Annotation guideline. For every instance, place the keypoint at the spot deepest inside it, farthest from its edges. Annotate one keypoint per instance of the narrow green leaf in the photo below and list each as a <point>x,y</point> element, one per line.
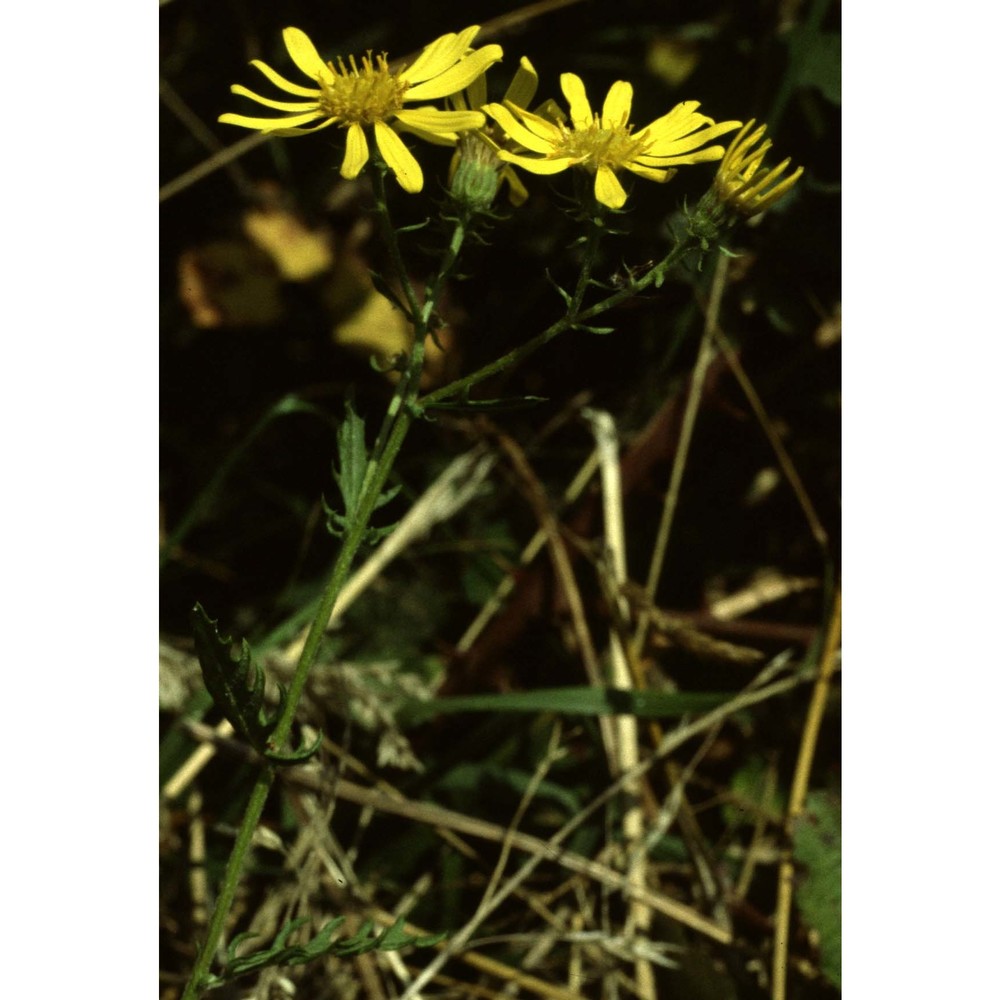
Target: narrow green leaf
<point>496,405</point>
<point>350,478</point>
<point>353,457</point>
<point>415,227</point>
<point>395,937</point>
<point>579,701</point>
<point>563,294</point>
<point>299,756</point>
<point>360,943</point>
<point>278,954</point>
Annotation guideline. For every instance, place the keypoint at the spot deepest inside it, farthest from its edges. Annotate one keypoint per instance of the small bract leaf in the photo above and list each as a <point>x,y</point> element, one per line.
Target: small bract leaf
<point>295,756</point>
<point>497,405</point>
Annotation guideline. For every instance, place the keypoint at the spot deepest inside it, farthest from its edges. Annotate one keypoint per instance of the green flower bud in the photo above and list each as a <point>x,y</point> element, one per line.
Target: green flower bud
<point>476,172</point>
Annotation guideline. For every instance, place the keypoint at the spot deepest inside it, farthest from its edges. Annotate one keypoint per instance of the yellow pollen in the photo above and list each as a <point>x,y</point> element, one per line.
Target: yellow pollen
<point>600,146</point>
<point>364,95</point>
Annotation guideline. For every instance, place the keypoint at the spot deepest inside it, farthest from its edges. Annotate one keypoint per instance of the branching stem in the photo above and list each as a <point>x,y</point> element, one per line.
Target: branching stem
<point>395,426</point>
<point>404,407</point>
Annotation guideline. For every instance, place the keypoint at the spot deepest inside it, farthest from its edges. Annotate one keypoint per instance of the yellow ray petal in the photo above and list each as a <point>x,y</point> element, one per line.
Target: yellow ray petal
<point>521,135</point>
<point>516,191</point>
<point>679,120</point>
<point>660,176</point>
<point>356,153</point>
<point>432,120</point>
<point>523,87</point>
<point>292,106</point>
<point>607,189</point>
<point>326,123</point>
<point>476,92</point>
<point>706,155</point>
<point>683,143</point>
<point>279,81</point>
<point>536,166</point>
<point>617,105</point>
<point>576,94</point>
<point>269,124</point>
<point>459,76</point>
<point>304,53</point>
<point>401,161</point>
<point>439,55</point>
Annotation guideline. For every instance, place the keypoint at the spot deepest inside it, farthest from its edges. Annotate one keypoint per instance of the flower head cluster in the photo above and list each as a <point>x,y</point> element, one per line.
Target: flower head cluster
<point>740,185</point>
<point>372,97</point>
<point>605,144</point>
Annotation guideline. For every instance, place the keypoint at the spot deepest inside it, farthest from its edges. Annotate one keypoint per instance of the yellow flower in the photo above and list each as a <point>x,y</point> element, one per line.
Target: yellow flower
<point>373,97</point>
<point>740,184</point>
<point>605,144</point>
<point>521,93</point>
<point>479,148</point>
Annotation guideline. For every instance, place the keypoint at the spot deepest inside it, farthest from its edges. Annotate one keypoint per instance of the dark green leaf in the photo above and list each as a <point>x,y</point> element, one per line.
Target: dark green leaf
<point>816,846</point>
<point>236,687</point>
<point>350,478</point>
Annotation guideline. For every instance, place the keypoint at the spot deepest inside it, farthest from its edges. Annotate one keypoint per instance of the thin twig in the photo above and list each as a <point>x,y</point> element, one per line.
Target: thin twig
<point>780,451</point>
<point>541,770</point>
<point>627,726</point>
<point>203,134</point>
<point>797,799</point>
<point>551,848</point>
<point>705,354</point>
<point>534,546</point>
<point>563,569</point>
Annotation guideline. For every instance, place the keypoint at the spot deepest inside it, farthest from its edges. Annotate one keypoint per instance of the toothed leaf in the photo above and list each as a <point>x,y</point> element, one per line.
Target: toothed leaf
<point>395,937</point>
<point>278,954</point>
<point>350,478</point>
<point>360,943</point>
<point>353,456</point>
<point>236,686</point>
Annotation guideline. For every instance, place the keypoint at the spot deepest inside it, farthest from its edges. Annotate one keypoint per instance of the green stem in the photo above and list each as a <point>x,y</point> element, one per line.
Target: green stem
<point>230,881</point>
<point>567,322</point>
<point>595,232</point>
<point>392,434</point>
<point>706,352</point>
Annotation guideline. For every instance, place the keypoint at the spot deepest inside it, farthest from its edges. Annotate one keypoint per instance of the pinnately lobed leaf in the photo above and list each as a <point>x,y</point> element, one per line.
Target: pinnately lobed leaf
<point>281,954</point>
<point>236,686</point>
